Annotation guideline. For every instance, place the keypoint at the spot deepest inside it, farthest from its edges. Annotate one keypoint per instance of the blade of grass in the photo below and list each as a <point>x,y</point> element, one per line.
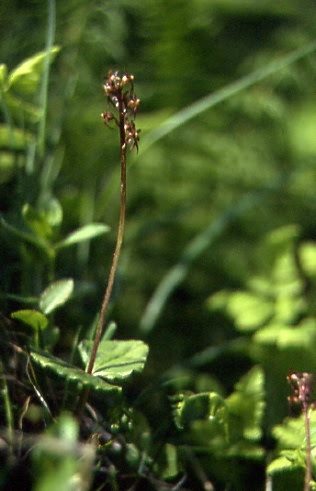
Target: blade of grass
<point>177,274</point>
<point>211,100</point>
<point>7,407</point>
<point>195,248</point>
<point>205,103</point>
<point>51,28</point>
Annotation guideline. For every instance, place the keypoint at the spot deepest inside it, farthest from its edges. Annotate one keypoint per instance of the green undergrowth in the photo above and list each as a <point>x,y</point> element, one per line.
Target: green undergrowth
<point>83,406</point>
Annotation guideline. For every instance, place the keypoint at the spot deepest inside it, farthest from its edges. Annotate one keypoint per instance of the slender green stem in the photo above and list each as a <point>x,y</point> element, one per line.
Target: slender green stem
<point>44,88</point>
<point>7,407</point>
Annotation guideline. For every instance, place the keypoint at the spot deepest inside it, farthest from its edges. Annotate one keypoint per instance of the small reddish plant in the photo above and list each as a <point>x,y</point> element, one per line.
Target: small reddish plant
<point>120,94</point>
<point>302,386</point>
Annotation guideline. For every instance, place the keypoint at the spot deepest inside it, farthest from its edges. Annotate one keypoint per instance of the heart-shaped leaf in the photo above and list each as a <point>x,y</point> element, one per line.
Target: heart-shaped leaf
<point>116,360</point>
<point>72,374</point>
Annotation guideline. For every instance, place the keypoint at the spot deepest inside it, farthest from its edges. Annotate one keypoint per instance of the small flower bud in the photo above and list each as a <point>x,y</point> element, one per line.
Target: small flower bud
<point>107,117</point>
<point>133,104</point>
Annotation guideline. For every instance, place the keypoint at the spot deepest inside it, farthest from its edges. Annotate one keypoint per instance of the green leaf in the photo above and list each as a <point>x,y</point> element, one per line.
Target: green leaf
<point>32,318</point>
<point>17,105</point>
<point>249,311</point>
<point>204,420</point>
<point>3,77</point>
<point>204,406</point>
<point>56,295</point>
<point>84,233</point>
<point>285,276</point>
<point>307,256</point>
<point>281,240</point>
<point>116,360</point>
<point>109,332</point>
<point>287,471</point>
<point>301,336</point>
<point>168,465</point>
<point>291,434</point>
<point>26,76</point>
<point>72,374</point>
<point>282,464</point>
<point>7,166</point>
<point>245,449</point>
<point>14,138</point>
<point>61,462</point>
<point>26,236</point>
<point>65,428</point>
<point>36,221</point>
<point>43,221</point>
<point>288,308</point>
<point>246,406</point>
<point>52,212</point>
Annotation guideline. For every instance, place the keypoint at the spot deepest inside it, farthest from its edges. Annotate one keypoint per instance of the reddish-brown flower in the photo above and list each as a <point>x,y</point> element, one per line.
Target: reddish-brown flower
<point>120,94</point>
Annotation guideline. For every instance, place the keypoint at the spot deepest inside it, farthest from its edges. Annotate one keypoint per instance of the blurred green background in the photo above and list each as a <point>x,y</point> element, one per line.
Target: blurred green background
<point>211,180</point>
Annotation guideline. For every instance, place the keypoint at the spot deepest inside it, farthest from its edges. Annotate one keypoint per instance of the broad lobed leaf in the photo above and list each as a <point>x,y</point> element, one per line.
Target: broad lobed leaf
<point>116,360</point>
<point>63,369</point>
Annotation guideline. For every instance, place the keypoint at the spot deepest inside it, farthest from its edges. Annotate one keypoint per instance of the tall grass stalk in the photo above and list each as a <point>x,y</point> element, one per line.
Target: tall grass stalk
<point>50,38</point>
